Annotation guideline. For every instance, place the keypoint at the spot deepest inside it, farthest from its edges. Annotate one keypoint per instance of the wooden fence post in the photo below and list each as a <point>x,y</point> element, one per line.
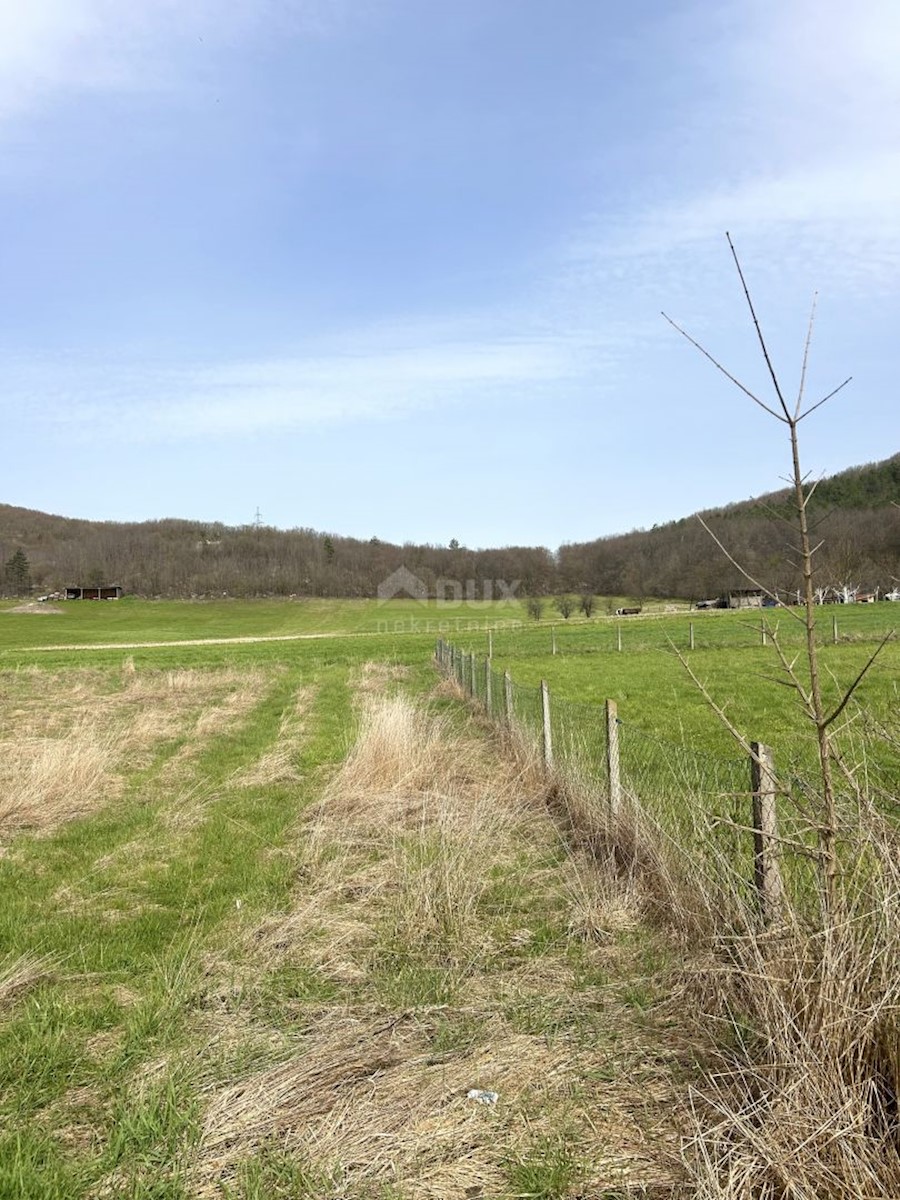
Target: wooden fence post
<point>612,758</point>
<point>552,639</point>
<point>488,672</point>
<point>691,628</point>
<point>545,724</point>
<point>508,697</point>
<point>834,636</point>
<point>619,637</point>
<point>766,871</point>
<point>490,644</point>
<point>763,632</point>
<point>473,690</point>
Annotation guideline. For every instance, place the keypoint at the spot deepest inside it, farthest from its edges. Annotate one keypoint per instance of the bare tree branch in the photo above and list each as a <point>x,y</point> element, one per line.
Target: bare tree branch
<point>789,667</point>
<point>715,362</point>
<point>809,333</point>
<point>746,574</point>
<point>860,677</point>
<point>840,387</point>
<point>759,334</point>
<point>812,491</point>
<point>717,708</point>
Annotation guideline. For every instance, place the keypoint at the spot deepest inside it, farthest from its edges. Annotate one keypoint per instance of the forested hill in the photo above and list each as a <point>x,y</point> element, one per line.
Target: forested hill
<point>857,516</point>
<point>876,485</point>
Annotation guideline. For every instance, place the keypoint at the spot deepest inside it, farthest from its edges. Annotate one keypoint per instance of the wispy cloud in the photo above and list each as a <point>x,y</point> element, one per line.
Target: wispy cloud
<point>790,141</point>
<point>130,403</point>
<point>50,49</point>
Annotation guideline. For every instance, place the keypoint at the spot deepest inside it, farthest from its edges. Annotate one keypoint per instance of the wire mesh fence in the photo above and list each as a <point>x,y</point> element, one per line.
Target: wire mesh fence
<point>712,630</point>
<point>709,806</point>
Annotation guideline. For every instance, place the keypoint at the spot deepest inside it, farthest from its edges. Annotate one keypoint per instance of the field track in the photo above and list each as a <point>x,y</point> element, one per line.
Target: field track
<point>228,641</point>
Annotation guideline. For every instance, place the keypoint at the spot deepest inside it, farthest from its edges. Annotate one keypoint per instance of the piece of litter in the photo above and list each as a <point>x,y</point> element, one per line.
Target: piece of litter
<point>482,1097</point>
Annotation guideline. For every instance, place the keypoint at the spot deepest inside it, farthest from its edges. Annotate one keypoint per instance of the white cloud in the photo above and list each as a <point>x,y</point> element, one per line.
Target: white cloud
<point>791,141</point>
<point>279,394</point>
<point>52,48</point>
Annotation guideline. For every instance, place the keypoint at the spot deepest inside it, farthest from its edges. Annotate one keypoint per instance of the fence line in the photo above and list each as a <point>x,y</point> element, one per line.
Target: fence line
<point>749,629</point>
<point>716,810</point>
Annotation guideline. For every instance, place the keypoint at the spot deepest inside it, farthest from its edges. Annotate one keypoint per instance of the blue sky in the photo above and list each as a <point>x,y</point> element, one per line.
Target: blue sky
<point>395,267</point>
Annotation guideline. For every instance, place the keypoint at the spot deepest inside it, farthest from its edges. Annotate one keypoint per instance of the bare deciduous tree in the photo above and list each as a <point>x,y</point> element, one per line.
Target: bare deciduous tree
<point>565,606</point>
<point>535,607</point>
<point>809,687</point>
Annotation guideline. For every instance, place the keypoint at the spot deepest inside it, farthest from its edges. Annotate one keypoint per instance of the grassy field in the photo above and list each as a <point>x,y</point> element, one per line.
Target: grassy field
<point>678,758</point>
<point>131,620</point>
<point>271,910</point>
<point>652,686</point>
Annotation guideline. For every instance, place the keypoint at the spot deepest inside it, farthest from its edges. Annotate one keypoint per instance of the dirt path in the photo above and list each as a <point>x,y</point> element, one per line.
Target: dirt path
<point>229,641</point>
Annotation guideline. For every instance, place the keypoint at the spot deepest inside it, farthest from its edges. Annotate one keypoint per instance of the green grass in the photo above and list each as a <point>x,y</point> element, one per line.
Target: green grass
<point>133,620</point>
<point>146,909</point>
<point>129,909</point>
<point>545,1172</point>
<point>146,906</point>
<point>654,692</point>
<point>677,756</point>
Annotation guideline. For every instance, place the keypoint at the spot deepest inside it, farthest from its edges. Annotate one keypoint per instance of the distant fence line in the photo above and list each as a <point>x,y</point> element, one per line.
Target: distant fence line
<point>746,628</point>
<point>717,810</point>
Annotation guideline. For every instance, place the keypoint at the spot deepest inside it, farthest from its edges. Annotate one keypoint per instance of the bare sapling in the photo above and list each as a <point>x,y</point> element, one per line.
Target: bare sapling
<point>809,687</point>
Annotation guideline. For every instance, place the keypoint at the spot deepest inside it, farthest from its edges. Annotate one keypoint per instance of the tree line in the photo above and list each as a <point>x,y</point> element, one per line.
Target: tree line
<point>857,517</point>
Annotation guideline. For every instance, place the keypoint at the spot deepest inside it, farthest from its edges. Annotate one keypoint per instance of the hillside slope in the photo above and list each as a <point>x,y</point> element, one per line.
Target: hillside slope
<point>857,517</point>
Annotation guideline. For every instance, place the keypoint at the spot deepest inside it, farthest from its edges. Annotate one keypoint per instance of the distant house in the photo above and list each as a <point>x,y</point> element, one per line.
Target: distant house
<point>106,592</point>
<point>744,598</point>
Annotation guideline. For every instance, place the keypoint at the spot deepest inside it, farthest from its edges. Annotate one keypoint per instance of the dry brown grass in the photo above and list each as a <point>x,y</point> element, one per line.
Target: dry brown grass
<point>21,974</point>
<point>278,764</point>
<point>68,739</point>
<point>35,608</point>
<point>805,1098</point>
<point>800,1095</point>
<point>371,1102</point>
<point>433,851</point>
<point>47,780</point>
<point>376,676</point>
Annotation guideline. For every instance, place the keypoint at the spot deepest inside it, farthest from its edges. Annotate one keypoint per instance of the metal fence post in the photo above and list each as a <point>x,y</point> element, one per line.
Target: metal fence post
<point>508,697</point>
